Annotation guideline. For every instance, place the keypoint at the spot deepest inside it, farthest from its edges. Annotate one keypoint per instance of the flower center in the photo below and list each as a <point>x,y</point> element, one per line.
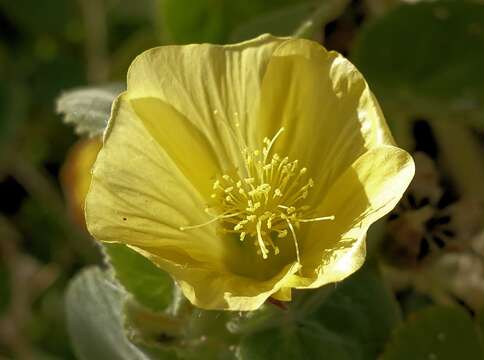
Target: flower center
<point>267,203</point>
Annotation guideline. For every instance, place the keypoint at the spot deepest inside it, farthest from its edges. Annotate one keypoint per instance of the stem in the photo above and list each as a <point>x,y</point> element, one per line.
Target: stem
<point>324,13</point>
<point>94,16</point>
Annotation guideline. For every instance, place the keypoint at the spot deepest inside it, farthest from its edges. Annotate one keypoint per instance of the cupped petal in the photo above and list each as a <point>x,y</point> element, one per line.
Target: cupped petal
<point>139,196</point>
<point>181,140</point>
<point>335,265</point>
<point>329,115</point>
<point>215,290</point>
<point>365,192</point>
<point>215,87</point>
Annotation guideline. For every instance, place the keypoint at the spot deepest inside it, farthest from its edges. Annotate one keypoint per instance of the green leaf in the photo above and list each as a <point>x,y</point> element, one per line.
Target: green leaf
<point>150,286</point>
<point>88,109</point>
<point>294,341</point>
<point>302,19</point>
<point>189,21</point>
<point>362,309</point>
<point>94,320</point>
<point>437,333</point>
<point>280,22</point>
<point>426,60</point>
<point>350,320</point>
<point>267,316</point>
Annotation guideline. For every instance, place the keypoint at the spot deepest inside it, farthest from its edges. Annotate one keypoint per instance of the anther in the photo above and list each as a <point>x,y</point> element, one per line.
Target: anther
<point>322,218</point>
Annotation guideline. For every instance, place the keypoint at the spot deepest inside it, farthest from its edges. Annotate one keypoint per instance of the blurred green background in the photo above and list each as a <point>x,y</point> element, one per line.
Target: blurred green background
<point>52,46</point>
<point>45,48</point>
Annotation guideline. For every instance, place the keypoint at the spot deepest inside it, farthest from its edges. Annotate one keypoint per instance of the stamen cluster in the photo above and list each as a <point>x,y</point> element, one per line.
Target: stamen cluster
<point>266,204</point>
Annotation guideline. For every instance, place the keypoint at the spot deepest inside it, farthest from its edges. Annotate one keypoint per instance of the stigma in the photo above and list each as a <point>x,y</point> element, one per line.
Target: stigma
<point>265,205</point>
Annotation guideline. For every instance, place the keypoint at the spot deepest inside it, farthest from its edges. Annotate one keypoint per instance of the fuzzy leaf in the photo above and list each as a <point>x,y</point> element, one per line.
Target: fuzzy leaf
<point>192,335</point>
<point>94,320</point>
<point>88,109</point>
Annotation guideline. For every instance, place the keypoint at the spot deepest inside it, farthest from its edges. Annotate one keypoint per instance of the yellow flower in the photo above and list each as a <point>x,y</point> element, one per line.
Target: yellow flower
<point>246,170</point>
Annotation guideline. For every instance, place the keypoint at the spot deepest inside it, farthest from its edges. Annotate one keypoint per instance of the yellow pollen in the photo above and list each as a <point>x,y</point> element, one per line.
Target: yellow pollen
<point>266,204</point>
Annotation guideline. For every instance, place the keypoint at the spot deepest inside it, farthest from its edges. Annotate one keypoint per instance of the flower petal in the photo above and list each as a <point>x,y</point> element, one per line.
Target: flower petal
<point>365,192</point>
<point>139,196</point>
<point>329,114</point>
<point>215,87</point>
<point>182,141</point>
<point>209,289</point>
